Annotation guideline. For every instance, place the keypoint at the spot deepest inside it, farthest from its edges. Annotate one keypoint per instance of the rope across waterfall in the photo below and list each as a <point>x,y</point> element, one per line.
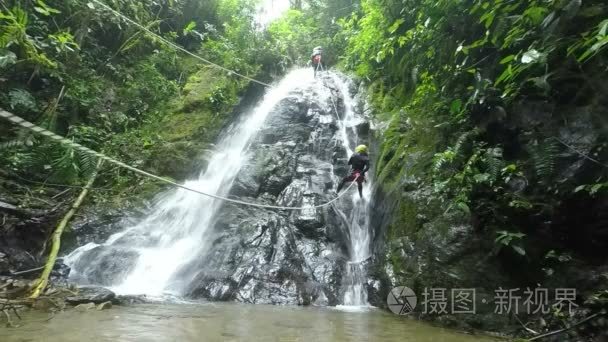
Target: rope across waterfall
<point>175,46</point>
<point>39,130</point>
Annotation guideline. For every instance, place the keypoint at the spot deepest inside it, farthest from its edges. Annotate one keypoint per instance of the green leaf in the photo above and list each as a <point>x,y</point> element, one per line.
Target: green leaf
<point>507,59</point>
<point>7,58</point>
<point>579,188</point>
<point>505,75</point>
<point>536,14</point>
<point>464,207</point>
<point>456,106</point>
<point>44,9</point>
<point>90,5</point>
<point>396,25</point>
<point>41,10</point>
<point>599,45</point>
<point>593,49</point>
<point>487,19</point>
<point>595,188</point>
<point>20,98</point>
<point>191,25</point>
<point>481,177</point>
<point>519,250</point>
<point>603,28</point>
<point>510,168</point>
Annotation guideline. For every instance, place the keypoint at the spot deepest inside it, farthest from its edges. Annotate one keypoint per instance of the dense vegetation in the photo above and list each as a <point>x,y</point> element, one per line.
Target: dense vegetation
<point>498,118</point>
<point>79,70</point>
<point>496,109</point>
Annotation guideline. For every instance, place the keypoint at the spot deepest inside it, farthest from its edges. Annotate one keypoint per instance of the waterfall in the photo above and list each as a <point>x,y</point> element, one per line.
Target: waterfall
<point>175,230</point>
<point>191,244</point>
<point>357,218</point>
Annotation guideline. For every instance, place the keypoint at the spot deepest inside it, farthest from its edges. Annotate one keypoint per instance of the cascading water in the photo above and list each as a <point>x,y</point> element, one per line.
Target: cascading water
<point>191,244</point>
<point>175,230</point>
<point>357,219</point>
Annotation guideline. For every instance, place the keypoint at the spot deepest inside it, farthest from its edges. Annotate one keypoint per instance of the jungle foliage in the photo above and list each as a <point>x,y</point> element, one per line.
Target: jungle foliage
<point>496,108</point>
<point>79,70</point>
<point>499,108</point>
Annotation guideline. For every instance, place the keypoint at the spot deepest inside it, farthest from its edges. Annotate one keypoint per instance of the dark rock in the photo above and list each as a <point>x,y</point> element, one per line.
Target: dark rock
<point>91,294</point>
<point>257,255</point>
<point>104,306</point>
<point>275,257</point>
<point>4,264</point>
<point>433,249</point>
<point>245,184</point>
<point>60,270</point>
<point>130,299</point>
<point>363,128</point>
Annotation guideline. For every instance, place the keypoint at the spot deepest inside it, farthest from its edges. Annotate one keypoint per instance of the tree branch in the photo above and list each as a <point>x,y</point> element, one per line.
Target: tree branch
<point>551,333</point>
<point>56,239</point>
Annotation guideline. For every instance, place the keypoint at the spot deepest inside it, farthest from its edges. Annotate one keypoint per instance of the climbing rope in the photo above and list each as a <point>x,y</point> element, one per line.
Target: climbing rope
<point>37,129</point>
<point>175,46</point>
<point>321,68</point>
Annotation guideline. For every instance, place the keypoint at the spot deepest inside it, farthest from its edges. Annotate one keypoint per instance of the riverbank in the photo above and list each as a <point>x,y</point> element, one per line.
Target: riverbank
<point>227,322</point>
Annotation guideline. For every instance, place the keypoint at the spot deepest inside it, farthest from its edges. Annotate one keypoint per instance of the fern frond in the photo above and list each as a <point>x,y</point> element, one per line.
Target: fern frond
<point>11,144</point>
<point>441,160</point>
<point>544,157</point>
<point>461,143</point>
<point>494,163</point>
<point>23,138</point>
<point>87,163</point>
<point>64,164</point>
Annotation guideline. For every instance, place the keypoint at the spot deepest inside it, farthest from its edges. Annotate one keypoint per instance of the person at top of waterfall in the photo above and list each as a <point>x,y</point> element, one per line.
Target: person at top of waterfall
<point>359,163</point>
<point>315,59</point>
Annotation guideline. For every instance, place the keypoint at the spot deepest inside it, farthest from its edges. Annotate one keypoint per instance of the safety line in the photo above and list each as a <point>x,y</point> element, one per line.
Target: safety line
<point>175,46</point>
<point>332,98</point>
<point>580,153</point>
<point>37,129</point>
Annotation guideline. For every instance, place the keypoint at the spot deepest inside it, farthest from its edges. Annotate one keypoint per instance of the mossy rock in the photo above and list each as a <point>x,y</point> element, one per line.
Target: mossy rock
<point>178,159</point>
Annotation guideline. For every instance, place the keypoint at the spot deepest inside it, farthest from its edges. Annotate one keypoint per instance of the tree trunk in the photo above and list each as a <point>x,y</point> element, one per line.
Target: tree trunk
<point>56,238</point>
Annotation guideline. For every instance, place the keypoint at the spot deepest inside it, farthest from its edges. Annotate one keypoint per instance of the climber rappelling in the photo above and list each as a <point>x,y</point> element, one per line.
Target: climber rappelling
<point>359,163</point>
<point>315,59</point>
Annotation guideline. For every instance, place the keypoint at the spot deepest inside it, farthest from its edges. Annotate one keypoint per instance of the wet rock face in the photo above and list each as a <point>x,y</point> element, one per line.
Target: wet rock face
<point>430,249</point>
<point>104,265</point>
<point>24,232</point>
<point>91,294</point>
<point>281,257</point>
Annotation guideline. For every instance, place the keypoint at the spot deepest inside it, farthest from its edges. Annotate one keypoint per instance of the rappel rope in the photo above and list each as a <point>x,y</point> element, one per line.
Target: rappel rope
<point>175,46</point>
<point>37,129</point>
<point>333,103</point>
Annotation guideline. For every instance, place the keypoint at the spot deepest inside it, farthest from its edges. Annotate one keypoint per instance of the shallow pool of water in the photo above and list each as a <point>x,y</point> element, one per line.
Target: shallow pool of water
<point>226,322</point>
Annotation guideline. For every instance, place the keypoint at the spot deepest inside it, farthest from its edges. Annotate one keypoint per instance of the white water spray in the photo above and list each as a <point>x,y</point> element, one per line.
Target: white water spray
<point>174,233</point>
<point>358,218</point>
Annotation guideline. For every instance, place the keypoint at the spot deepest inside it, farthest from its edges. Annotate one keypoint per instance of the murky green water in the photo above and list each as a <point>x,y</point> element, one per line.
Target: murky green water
<point>226,322</point>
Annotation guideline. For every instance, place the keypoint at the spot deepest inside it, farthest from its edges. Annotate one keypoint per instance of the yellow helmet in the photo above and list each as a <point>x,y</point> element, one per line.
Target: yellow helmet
<point>361,149</point>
